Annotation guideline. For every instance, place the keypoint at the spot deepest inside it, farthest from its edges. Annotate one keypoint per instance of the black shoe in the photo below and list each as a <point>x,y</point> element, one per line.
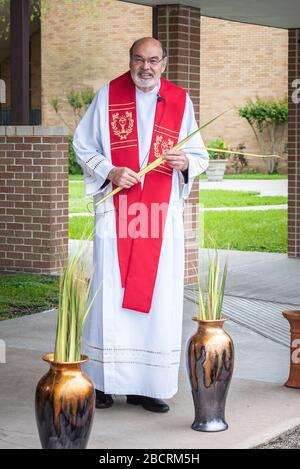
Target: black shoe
<point>103,401</point>
<point>149,403</point>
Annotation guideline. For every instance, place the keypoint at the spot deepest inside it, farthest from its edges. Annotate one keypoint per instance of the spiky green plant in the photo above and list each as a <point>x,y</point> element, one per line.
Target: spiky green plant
<point>210,305</point>
<point>74,290</point>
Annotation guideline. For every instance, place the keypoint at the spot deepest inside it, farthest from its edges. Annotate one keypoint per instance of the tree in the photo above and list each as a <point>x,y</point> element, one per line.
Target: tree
<point>40,8</point>
<point>79,102</point>
<point>268,120</point>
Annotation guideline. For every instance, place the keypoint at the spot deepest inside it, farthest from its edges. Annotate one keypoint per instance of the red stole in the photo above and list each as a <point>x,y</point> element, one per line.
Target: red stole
<point>139,254</point>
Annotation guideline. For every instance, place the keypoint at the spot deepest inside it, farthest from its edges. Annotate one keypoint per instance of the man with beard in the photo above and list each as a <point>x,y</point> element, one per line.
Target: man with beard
<point>133,332</point>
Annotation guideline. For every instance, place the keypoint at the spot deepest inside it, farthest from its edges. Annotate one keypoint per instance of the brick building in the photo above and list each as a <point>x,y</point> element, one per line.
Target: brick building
<point>238,61</point>
<point>82,50</point>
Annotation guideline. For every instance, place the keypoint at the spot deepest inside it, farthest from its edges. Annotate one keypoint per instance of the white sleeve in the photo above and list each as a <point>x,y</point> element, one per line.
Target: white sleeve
<point>88,148</point>
<point>195,149</point>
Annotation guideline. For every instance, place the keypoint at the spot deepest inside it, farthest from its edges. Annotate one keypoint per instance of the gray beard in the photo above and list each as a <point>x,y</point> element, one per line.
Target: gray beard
<point>144,83</point>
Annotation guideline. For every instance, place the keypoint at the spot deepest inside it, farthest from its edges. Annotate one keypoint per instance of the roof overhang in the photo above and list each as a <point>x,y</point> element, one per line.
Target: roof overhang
<point>275,13</point>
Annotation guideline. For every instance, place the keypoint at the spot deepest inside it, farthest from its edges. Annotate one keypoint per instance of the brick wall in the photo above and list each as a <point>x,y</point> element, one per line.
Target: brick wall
<point>239,61</point>
<point>81,50</point>
<point>33,198</point>
<point>178,28</point>
<point>294,146</point>
<point>193,232</point>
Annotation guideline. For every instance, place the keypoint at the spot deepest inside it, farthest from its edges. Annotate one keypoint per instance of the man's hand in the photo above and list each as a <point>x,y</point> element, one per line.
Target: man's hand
<point>123,177</point>
<point>177,160</point>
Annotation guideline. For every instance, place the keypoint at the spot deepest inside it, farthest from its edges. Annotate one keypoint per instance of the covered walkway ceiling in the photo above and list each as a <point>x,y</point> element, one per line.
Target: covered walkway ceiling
<point>276,13</point>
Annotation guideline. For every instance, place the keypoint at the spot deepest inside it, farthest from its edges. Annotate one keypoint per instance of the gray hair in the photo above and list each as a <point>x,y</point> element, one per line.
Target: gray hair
<point>164,49</point>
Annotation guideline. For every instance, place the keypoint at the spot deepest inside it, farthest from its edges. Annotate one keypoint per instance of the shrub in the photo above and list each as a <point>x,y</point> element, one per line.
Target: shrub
<point>74,167</point>
<point>218,144</point>
<point>238,161</point>
<point>268,120</point>
<point>79,102</point>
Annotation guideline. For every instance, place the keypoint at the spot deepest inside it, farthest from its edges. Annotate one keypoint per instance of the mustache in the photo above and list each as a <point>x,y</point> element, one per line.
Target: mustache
<point>145,73</point>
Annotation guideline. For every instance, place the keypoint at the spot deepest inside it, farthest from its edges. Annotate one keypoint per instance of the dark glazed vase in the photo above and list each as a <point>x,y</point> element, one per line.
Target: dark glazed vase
<point>210,360</point>
<point>64,405</point>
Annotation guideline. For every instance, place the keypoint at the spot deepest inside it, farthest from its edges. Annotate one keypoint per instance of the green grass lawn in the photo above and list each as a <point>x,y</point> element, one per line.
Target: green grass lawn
<point>243,231</point>
<point>78,203</point>
<point>75,177</point>
<point>261,231</point>
<point>79,177</point>
<point>255,176</point>
<point>81,227</point>
<point>221,198</point>
<point>23,294</point>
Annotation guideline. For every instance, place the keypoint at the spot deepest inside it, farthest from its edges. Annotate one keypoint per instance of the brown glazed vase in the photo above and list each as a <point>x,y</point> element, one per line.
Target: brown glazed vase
<point>294,377</point>
<point>64,405</point>
<point>210,361</point>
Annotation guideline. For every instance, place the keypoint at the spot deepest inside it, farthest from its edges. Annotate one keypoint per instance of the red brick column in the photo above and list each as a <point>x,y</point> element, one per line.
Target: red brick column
<point>33,198</point>
<point>294,145</point>
<point>178,28</point>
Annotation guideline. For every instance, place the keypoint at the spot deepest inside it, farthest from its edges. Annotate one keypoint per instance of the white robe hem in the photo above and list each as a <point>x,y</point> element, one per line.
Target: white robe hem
<point>137,392</point>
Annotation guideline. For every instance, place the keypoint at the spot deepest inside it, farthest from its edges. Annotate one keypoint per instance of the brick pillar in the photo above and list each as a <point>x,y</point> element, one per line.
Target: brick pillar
<point>178,28</point>
<point>294,145</point>
<point>33,198</point>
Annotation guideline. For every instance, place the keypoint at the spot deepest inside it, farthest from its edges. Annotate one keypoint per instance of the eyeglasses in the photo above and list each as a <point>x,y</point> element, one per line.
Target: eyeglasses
<point>140,61</point>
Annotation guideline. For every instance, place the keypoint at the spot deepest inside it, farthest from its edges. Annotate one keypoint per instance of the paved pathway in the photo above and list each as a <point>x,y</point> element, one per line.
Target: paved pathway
<point>259,406</point>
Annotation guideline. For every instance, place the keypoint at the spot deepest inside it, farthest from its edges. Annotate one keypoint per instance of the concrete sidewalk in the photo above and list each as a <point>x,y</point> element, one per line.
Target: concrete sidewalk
<point>259,407</point>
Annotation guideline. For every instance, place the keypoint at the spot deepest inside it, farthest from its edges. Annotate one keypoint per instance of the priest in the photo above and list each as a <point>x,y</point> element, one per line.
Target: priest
<point>133,332</point>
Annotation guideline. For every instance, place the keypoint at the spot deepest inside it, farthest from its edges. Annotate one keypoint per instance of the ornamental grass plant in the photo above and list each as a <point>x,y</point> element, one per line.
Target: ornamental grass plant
<point>74,307</point>
<point>211,303</point>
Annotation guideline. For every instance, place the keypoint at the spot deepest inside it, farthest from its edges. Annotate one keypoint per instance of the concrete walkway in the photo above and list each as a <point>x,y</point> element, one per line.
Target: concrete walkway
<point>259,407</point>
